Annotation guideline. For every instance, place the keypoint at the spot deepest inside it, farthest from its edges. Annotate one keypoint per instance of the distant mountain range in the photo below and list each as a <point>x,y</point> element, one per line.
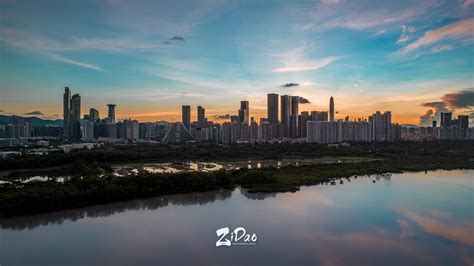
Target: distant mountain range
<point>32,120</point>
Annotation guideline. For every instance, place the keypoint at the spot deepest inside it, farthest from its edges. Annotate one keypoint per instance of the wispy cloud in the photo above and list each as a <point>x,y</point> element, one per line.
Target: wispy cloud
<point>461,31</point>
<point>42,42</point>
<point>305,65</point>
<point>366,15</point>
<point>73,62</point>
<point>467,3</point>
<point>442,48</point>
<point>406,34</point>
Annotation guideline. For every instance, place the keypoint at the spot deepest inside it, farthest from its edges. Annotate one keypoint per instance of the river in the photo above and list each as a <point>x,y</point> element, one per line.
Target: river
<point>401,219</point>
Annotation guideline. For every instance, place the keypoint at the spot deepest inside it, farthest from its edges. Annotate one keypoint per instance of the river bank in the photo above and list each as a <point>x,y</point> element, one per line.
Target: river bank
<point>37,197</point>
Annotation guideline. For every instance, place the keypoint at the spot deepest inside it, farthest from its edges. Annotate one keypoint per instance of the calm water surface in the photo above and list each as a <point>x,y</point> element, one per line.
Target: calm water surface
<point>402,219</point>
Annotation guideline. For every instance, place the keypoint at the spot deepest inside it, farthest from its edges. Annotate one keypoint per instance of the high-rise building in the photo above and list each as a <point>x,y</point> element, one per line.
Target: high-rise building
<point>201,116</point>
<point>76,107</point>
<point>293,127</point>
<point>87,130</point>
<point>434,124</point>
<point>338,131</point>
<point>285,113</point>
<point>463,121</point>
<point>75,119</point>
<point>93,115</point>
<point>319,116</point>
<point>186,116</point>
<point>67,113</point>
<point>131,129</point>
<point>302,122</point>
<point>324,116</point>
<point>294,131</point>
<point>446,119</point>
<point>294,105</point>
<point>265,131</point>
<point>324,132</point>
<point>331,109</point>
<point>111,114</point>
<point>235,119</point>
<point>272,108</point>
<point>244,112</point>
<point>387,120</point>
<point>382,126</point>
<point>253,131</point>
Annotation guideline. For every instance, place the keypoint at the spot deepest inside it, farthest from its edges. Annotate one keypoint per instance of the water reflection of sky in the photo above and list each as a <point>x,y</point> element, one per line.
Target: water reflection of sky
<point>412,218</point>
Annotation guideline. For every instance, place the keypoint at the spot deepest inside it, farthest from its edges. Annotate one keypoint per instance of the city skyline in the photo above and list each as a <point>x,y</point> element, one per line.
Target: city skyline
<point>410,57</point>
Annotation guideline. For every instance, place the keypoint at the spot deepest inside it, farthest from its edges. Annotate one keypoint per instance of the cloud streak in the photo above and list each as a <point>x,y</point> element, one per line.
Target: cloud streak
<point>461,31</point>
<point>405,35</point>
<point>308,65</point>
<point>366,15</point>
<point>37,42</point>
<point>73,62</point>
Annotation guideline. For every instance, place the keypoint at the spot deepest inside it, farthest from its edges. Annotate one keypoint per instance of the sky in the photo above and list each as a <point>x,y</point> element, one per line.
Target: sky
<point>414,58</point>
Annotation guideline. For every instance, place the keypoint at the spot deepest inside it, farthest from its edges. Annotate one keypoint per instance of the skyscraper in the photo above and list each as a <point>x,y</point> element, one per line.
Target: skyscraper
<point>272,108</point>
<point>244,112</point>
<point>75,119</point>
<point>324,116</point>
<point>387,119</point>
<point>67,113</point>
<point>285,113</point>
<point>201,116</point>
<point>331,109</point>
<point>463,121</point>
<point>302,122</point>
<point>446,119</point>
<point>382,129</point>
<point>294,105</point>
<point>93,115</point>
<point>111,117</point>
<point>186,116</point>
<point>378,126</point>
<point>294,132</point>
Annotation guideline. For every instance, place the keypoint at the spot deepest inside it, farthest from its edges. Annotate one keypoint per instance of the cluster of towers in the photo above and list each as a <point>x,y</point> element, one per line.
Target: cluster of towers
<point>284,121</point>
<point>292,122</point>
<point>186,116</point>
<point>76,128</point>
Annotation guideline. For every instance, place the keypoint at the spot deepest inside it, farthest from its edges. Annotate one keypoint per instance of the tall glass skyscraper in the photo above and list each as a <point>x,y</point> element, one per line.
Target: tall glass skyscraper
<point>285,113</point>
<point>331,109</point>
<point>67,113</point>
<point>186,116</point>
<point>272,108</point>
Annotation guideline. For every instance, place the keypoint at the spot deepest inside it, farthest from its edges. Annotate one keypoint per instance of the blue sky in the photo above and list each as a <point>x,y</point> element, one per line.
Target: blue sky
<point>150,57</point>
